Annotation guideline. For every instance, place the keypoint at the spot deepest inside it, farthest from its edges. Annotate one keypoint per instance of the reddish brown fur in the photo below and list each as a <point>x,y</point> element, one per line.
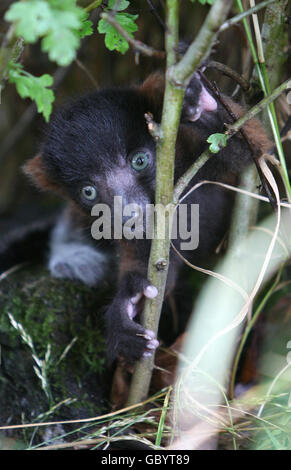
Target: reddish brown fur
<point>35,171</point>
<point>153,87</point>
<point>253,128</point>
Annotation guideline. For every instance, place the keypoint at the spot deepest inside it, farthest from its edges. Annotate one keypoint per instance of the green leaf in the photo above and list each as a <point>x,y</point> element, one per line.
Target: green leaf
<point>126,20</point>
<point>32,18</point>
<point>61,41</point>
<point>61,46</point>
<point>60,24</point>
<point>113,39</point>
<point>217,141</point>
<point>34,88</point>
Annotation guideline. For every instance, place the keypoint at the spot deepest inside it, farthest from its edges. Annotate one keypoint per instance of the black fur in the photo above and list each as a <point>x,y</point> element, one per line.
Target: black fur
<point>91,142</point>
<point>84,141</point>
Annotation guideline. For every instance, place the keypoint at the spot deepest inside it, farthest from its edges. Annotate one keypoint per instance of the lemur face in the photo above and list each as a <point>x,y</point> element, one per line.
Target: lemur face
<point>100,147</point>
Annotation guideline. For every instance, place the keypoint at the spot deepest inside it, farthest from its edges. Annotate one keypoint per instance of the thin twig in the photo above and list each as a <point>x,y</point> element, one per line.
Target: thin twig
<point>153,127</point>
<point>253,149</point>
<point>237,18</point>
<point>93,5</point>
<point>87,72</point>
<point>135,44</point>
<point>261,105</point>
<point>234,128</point>
<point>153,10</point>
<point>229,72</point>
<point>231,188</point>
<point>231,114</point>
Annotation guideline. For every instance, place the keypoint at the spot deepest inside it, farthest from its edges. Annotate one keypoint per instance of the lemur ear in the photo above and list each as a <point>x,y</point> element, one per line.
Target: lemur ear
<point>35,170</point>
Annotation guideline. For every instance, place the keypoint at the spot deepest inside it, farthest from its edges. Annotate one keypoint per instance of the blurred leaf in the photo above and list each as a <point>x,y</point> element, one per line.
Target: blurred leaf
<point>60,24</point>
<point>61,46</point>
<point>32,18</point>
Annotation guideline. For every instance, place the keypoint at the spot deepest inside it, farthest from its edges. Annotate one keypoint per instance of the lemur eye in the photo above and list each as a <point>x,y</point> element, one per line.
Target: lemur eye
<point>140,160</point>
<point>89,193</point>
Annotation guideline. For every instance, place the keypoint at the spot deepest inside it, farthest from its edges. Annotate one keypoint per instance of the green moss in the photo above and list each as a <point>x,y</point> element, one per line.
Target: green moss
<point>68,317</point>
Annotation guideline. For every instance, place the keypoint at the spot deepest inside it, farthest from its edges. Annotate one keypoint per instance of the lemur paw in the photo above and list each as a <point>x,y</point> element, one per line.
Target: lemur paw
<point>133,342</point>
<point>77,261</point>
<point>132,304</point>
<point>126,337</point>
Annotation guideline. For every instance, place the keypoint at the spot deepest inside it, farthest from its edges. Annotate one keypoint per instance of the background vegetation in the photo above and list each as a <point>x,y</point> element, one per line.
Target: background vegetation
<point>69,41</point>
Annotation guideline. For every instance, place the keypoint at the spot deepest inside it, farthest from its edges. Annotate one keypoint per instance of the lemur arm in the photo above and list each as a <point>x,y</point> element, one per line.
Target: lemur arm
<point>126,336</point>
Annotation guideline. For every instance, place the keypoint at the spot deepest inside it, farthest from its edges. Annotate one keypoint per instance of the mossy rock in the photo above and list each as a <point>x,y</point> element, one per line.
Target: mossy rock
<point>60,323</point>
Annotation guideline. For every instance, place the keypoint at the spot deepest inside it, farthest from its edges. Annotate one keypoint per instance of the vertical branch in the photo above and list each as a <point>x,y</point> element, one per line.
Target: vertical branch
<point>165,161</point>
<point>177,78</point>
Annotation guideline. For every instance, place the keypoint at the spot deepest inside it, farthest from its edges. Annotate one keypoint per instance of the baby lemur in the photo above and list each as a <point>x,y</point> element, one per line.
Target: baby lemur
<point>99,147</point>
